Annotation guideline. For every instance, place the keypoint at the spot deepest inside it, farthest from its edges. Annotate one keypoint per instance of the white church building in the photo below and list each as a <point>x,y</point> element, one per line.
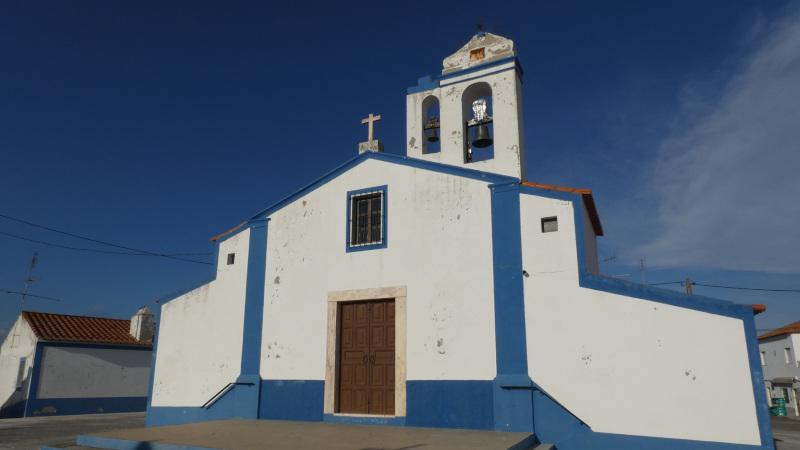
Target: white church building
<point>443,289</point>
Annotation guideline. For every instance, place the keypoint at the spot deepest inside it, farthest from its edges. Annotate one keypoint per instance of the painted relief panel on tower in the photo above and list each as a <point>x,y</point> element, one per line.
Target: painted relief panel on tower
<point>483,48</point>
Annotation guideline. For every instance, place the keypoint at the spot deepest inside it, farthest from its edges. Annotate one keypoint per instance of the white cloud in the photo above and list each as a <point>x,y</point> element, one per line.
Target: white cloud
<point>727,179</point>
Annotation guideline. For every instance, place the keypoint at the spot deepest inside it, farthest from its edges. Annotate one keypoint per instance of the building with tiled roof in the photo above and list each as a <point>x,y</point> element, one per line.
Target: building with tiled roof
<point>780,360</point>
<point>53,364</point>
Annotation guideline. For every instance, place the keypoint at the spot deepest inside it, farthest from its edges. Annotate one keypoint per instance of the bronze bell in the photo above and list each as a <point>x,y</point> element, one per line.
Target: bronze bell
<point>482,138</point>
<point>433,136</point>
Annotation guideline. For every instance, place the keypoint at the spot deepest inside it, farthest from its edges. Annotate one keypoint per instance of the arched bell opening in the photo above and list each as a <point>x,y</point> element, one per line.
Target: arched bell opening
<point>476,113</point>
<point>431,129</point>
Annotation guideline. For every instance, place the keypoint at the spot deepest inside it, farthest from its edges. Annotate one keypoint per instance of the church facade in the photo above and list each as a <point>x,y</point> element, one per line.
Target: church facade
<point>442,289</point>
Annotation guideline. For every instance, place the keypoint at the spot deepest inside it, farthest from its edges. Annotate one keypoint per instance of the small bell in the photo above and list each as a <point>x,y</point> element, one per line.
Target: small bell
<point>433,136</point>
<point>482,138</point>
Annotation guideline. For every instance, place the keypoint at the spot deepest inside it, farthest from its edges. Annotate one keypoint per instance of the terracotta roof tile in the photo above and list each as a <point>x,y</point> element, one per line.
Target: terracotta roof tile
<point>788,329</point>
<point>95,330</point>
<point>586,195</point>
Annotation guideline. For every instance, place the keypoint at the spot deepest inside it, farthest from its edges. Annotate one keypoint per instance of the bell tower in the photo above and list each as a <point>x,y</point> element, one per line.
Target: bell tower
<point>470,115</point>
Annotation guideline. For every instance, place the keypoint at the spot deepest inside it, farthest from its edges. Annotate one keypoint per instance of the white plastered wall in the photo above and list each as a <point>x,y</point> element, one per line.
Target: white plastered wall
<point>626,365</point>
<point>439,248</point>
<point>775,359</point>
<point>85,372</point>
<point>506,112</point>
<point>200,333</point>
<point>20,343</point>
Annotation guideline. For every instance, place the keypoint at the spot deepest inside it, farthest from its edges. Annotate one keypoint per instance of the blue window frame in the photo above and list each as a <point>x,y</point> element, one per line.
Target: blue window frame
<point>366,220</point>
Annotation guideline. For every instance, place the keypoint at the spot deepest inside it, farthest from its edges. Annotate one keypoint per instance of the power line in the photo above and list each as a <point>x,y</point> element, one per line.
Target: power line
<point>94,250</point>
<point>7,291</point>
<point>98,241</point>
<point>719,286</point>
<point>746,288</point>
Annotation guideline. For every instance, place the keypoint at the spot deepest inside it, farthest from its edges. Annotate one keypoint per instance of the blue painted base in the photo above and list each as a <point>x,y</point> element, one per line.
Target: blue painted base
<point>70,406</point>
<point>233,404</point>
<point>513,403</point>
<point>450,404</point>
<point>292,400</point>
<point>365,420</point>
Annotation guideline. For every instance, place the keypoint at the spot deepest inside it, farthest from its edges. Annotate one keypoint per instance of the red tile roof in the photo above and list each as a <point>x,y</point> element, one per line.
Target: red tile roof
<point>95,330</point>
<point>586,195</point>
<point>788,329</point>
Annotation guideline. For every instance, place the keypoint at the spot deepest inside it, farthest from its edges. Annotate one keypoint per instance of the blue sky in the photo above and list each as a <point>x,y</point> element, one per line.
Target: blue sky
<point>158,125</point>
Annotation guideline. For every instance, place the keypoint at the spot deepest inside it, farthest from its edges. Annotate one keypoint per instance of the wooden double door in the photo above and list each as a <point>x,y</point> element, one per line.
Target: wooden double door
<point>366,357</point>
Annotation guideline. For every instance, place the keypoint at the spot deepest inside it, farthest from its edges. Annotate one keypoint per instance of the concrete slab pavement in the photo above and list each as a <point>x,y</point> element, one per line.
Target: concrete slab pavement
<point>31,433</point>
<point>786,432</point>
<point>277,435</point>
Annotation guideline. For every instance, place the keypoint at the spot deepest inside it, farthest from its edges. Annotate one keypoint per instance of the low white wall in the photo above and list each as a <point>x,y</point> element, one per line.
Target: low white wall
<point>439,248</point>
<point>625,365</point>
<point>78,372</point>
<point>20,343</point>
<point>200,334</point>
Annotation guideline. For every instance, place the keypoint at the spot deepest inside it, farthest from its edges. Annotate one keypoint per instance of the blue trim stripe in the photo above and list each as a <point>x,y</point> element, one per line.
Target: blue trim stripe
<point>513,406</point>
<point>254,297</point>
<point>384,190</point>
<point>85,405</point>
<point>248,396</point>
<point>509,305</point>
<point>365,420</point>
<point>156,330</point>
<point>425,83</point>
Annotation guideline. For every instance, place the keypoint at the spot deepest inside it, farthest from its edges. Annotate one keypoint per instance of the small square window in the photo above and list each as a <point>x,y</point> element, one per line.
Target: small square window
<point>549,224</point>
<point>477,54</point>
<point>231,258</point>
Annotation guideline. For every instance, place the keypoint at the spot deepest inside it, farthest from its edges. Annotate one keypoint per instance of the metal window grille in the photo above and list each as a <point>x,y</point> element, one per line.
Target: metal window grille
<point>366,220</point>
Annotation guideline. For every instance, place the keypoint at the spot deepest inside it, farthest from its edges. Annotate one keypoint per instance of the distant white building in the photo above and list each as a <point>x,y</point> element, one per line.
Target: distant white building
<point>55,364</point>
<point>440,288</point>
<point>780,359</point>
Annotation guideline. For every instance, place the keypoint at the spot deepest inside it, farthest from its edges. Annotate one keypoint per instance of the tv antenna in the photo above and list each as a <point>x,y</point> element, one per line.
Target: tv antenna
<point>29,280</point>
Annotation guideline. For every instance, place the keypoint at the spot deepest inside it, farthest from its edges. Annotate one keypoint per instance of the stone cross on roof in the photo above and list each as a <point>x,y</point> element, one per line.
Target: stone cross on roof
<point>369,121</point>
<point>372,144</point>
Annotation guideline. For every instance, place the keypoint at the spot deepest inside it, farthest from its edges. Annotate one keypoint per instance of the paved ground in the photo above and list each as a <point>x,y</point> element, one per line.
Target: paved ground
<point>279,435</point>
<point>60,431</point>
<point>786,432</point>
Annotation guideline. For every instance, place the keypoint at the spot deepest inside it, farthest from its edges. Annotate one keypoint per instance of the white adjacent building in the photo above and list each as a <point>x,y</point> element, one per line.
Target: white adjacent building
<point>55,364</point>
<point>780,359</point>
<point>441,288</point>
